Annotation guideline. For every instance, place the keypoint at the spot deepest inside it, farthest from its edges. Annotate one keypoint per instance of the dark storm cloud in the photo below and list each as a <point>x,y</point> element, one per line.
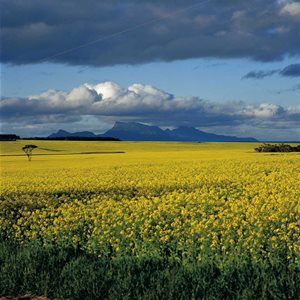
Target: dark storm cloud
<point>35,31</point>
<point>291,70</point>
<point>259,74</point>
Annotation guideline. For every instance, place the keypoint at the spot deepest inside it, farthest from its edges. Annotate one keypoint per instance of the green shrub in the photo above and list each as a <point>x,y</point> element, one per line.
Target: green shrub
<point>277,148</point>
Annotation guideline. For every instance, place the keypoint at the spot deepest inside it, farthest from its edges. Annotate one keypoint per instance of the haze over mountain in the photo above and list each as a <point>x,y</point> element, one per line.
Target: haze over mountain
<point>132,131</point>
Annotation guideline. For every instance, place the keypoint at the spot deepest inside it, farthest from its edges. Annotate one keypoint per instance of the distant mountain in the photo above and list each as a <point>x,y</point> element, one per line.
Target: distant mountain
<point>132,131</point>
<point>137,132</point>
<point>62,134</point>
<point>193,134</point>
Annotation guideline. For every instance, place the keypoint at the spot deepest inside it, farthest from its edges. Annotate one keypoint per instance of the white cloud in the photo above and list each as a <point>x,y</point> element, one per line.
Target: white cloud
<point>292,9</point>
<point>106,89</point>
<point>82,96</point>
<point>294,109</point>
<point>263,111</point>
<point>52,96</point>
<point>142,103</point>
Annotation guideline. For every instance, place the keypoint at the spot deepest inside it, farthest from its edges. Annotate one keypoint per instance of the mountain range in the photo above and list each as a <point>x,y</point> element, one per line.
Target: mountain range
<point>132,131</point>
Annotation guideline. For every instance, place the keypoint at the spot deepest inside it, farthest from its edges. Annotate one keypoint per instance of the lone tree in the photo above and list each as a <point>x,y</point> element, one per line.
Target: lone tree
<point>28,150</point>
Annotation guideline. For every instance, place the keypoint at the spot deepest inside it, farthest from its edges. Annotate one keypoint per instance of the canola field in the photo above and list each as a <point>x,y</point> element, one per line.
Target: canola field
<point>191,203</point>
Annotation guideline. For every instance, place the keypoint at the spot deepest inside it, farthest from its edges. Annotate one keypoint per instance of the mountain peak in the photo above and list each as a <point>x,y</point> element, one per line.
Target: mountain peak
<point>133,131</point>
<point>62,131</point>
<point>131,125</point>
<point>137,132</point>
<point>59,133</point>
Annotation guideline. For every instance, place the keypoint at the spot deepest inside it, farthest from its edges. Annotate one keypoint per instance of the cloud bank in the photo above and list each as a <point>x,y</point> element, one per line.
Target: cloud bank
<point>144,103</point>
<point>102,33</point>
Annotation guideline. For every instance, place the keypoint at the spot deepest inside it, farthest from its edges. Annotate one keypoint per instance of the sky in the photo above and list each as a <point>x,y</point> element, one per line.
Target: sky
<point>224,66</point>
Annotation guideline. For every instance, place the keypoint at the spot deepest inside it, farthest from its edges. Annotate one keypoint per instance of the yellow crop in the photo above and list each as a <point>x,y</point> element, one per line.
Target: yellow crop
<point>186,200</point>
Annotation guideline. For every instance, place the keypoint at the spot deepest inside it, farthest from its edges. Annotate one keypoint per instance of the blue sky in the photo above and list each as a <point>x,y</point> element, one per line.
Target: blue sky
<point>199,53</point>
<point>214,79</point>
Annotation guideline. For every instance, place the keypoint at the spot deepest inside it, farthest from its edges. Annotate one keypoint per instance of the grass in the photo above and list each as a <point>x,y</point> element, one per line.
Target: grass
<point>67,273</point>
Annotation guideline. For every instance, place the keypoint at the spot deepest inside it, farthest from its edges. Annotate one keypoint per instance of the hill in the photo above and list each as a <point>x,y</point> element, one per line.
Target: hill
<point>132,131</point>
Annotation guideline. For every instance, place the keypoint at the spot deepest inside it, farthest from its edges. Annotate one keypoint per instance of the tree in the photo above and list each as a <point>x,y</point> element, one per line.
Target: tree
<point>28,150</point>
<point>277,148</point>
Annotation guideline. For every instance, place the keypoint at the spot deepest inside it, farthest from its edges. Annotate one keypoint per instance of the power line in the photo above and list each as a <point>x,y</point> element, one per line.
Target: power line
<point>132,28</point>
<point>129,29</point>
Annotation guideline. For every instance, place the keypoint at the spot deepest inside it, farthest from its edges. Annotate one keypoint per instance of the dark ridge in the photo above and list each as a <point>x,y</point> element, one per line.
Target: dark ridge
<point>73,138</point>
<point>9,137</point>
<point>132,131</point>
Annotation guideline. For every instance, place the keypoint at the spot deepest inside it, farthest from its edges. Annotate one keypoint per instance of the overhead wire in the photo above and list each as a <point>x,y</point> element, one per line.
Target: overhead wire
<point>129,29</point>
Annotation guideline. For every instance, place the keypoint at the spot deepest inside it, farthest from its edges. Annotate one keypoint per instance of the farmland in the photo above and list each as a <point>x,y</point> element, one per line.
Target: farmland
<point>149,220</point>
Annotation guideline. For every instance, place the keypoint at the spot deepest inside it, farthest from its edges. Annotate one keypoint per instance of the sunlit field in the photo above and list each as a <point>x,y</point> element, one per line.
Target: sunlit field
<point>151,220</point>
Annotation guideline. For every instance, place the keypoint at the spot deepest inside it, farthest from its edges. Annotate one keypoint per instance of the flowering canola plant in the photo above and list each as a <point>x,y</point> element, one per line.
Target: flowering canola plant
<point>189,201</point>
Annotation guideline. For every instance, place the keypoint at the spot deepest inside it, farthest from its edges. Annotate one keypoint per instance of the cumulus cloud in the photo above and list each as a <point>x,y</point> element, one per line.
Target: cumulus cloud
<point>108,32</point>
<point>143,103</point>
<point>264,111</point>
<point>291,9</point>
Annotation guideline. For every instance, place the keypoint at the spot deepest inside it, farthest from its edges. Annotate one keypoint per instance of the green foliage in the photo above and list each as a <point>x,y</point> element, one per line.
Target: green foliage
<point>69,273</point>
<point>277,148</point>
<point>28,150</point>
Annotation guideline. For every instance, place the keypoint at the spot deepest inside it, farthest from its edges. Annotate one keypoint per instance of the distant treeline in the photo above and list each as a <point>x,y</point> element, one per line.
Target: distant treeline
<point>9,137</point>
<point>277,148</point>
<point>73,138</point>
